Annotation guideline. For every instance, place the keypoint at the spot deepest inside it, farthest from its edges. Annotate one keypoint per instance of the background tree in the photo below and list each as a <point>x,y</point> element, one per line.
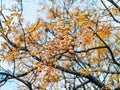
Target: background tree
<point>75,46</point>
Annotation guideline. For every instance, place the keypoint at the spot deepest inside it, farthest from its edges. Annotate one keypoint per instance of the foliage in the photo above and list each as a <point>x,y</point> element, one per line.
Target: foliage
<point>75,46</point>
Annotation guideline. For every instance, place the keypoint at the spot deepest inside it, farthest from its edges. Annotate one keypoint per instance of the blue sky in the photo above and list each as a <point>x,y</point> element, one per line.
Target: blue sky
<point>29,13</point>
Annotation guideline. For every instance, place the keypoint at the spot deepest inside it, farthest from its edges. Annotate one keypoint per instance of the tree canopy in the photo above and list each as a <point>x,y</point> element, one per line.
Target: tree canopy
<point>72,45</point>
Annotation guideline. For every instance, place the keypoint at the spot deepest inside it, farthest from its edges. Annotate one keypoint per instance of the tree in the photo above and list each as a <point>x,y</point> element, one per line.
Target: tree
<point>76,46</point>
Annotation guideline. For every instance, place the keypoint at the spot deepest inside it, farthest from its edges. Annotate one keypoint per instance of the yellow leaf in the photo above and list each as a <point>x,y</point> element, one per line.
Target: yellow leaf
<point>32,27</point>
<point>4,45</point>
<point>119,84</point>
<point>102,35</point>
<point>7,23</point>
<point>85,71</point>
<point>44,85</point>
<point>39,10</point>
<point>35,26</point>
<point>16,14</point>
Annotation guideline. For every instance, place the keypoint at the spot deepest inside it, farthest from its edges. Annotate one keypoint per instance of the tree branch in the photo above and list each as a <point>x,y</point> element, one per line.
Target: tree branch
<point>15,77</point>
<point>110,12</point>
<point>85,51</point>
<point>108,47</point>
<point>76,88</point>
<point>113,3</point>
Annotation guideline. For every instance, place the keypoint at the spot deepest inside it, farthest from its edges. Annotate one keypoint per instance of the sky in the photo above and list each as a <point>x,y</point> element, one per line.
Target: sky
<point>29,13</point>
